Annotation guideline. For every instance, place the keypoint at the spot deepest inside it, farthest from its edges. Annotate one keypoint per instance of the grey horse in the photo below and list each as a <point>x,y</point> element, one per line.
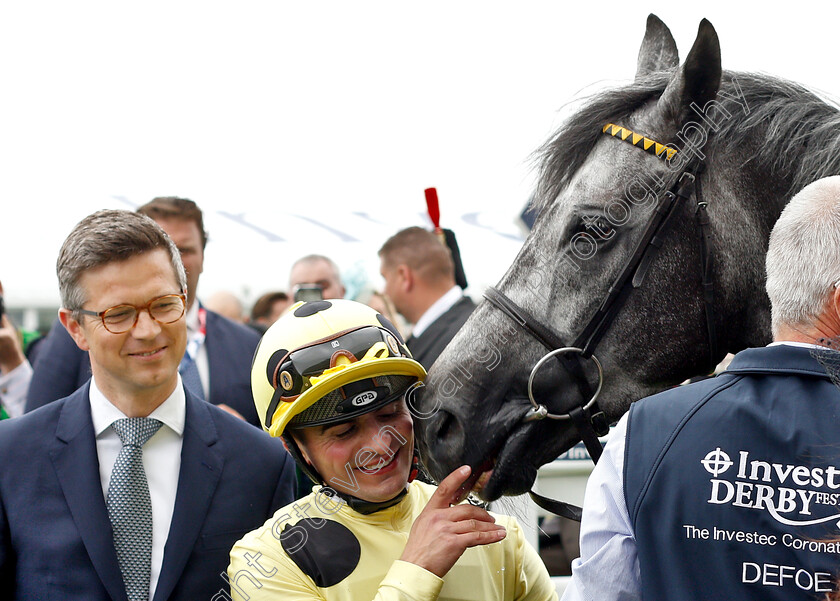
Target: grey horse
<point>750,141</point>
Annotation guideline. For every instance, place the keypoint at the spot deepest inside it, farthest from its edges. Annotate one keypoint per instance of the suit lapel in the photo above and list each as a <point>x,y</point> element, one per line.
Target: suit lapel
<point>419,345</point>
<point>423,344</point>
<point>76,464</point>
<point>201,468</point>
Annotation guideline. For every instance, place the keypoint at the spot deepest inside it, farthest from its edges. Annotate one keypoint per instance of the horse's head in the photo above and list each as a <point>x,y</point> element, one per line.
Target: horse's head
<point>599,191</point>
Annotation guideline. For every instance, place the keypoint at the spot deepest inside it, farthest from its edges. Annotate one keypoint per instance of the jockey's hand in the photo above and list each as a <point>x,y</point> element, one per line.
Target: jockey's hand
<point>11,351</point>
<point>444,530</point>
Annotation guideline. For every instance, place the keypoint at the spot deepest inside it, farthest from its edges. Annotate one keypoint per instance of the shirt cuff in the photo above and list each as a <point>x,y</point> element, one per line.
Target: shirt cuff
<point>412,582</point>
<point>13,388</point>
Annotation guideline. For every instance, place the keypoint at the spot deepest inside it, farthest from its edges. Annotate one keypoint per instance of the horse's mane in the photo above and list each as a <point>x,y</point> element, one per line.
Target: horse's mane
<point>799,132</point>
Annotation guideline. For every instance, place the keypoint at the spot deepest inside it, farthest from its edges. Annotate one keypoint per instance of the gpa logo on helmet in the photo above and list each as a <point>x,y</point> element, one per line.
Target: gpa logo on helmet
<point>364,398</point>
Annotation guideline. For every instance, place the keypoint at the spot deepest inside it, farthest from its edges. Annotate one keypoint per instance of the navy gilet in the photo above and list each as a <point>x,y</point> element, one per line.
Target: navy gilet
<point>733,484</point>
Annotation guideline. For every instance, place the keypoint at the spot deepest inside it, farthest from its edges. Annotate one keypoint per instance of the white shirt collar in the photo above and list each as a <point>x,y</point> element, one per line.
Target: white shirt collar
<point>172,412</point>
<point>191,318</point>
<point>440,306</point>
<point>799,344</point>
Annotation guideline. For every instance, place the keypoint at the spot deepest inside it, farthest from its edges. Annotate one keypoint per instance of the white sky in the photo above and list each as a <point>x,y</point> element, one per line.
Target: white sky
<point>283,112</point>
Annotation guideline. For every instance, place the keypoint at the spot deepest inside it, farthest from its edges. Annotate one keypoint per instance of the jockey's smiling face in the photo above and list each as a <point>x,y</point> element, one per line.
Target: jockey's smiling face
<point>369,456</point>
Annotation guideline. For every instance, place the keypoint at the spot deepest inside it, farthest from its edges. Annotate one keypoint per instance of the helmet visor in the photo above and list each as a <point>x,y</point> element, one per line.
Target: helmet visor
<point>303,368</point>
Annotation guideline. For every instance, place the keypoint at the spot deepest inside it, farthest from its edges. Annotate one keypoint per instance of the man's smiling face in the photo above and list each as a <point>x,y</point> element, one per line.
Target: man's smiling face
<point>142,363</point>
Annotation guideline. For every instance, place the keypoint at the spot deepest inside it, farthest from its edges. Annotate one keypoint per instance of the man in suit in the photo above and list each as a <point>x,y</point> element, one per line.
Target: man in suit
<point>89,512</point>
<point>217,363</point>
<point>420,280</point>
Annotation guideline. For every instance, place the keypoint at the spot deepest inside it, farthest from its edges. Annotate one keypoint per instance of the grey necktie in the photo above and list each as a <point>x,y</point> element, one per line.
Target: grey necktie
<point>130,506</point>
<point>190,376</point>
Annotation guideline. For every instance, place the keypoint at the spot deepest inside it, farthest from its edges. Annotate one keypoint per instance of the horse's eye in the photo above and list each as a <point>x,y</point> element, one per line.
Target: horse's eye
<point>596,226</point>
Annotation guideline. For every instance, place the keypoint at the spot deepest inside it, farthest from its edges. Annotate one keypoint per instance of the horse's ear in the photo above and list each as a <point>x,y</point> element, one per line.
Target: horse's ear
<point>658,51</point>
<point>698,80</point>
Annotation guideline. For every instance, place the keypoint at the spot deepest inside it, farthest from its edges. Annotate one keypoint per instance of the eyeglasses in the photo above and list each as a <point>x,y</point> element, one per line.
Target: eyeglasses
<point>120,319</point>
<point>296,371</point>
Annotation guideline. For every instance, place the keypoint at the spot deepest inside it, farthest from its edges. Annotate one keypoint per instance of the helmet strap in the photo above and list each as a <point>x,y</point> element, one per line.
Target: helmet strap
<point>415,465</point>
<point>307,468</point>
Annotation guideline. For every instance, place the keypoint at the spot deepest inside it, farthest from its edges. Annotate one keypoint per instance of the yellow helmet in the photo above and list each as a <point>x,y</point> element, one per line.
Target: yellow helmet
<point>328,361</point>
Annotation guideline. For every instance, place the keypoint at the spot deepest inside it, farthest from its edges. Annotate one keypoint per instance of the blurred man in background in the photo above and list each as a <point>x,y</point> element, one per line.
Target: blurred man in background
<point>267,309</point>
<point>420,280</point>
<point>317,270</point>
<point>226,304</point>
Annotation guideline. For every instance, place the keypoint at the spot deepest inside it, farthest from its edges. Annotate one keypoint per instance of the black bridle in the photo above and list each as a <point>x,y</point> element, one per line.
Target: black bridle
<point>588,418</point>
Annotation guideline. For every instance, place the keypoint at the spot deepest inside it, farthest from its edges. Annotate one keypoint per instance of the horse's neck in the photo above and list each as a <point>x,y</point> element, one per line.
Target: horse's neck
<point>745,201</point>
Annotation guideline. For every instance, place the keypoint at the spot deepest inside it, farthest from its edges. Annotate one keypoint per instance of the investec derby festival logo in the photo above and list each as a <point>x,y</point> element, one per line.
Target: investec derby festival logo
<point>795,495</point>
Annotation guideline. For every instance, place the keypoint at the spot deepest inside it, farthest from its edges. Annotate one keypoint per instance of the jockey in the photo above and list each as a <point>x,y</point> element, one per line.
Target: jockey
<point>334,379</point>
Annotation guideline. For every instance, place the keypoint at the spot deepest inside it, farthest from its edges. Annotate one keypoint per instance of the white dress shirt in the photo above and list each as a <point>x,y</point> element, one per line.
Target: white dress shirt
<point>441,306</point>
<point>161,460</point>
<point>197,349</point>
<point>606,535</point>
<point>13,388</point>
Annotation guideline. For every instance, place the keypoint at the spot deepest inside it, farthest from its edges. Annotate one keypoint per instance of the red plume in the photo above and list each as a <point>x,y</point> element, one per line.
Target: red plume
<point>433,207</point>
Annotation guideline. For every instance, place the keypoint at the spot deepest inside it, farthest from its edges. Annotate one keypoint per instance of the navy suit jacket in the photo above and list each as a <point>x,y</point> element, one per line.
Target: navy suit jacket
<point>426,347</point>
<point>55,536</point>
<point>62,367</point>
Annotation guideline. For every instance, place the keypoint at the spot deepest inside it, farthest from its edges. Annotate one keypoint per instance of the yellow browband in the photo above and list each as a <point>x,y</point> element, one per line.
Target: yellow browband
<point>655,148</point>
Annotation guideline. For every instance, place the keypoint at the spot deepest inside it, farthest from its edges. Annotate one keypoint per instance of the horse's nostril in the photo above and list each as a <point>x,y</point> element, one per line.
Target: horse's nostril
<point>444,426</point>
<point>449,430</point>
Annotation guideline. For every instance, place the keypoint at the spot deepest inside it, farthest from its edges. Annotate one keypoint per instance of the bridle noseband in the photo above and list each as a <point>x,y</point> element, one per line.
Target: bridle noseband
<point>588,419</point>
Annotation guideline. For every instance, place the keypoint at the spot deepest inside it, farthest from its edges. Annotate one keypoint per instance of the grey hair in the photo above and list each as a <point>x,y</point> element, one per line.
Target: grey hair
<point>105,237</point>
<point>311,259</point>
<point>803,258</point>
